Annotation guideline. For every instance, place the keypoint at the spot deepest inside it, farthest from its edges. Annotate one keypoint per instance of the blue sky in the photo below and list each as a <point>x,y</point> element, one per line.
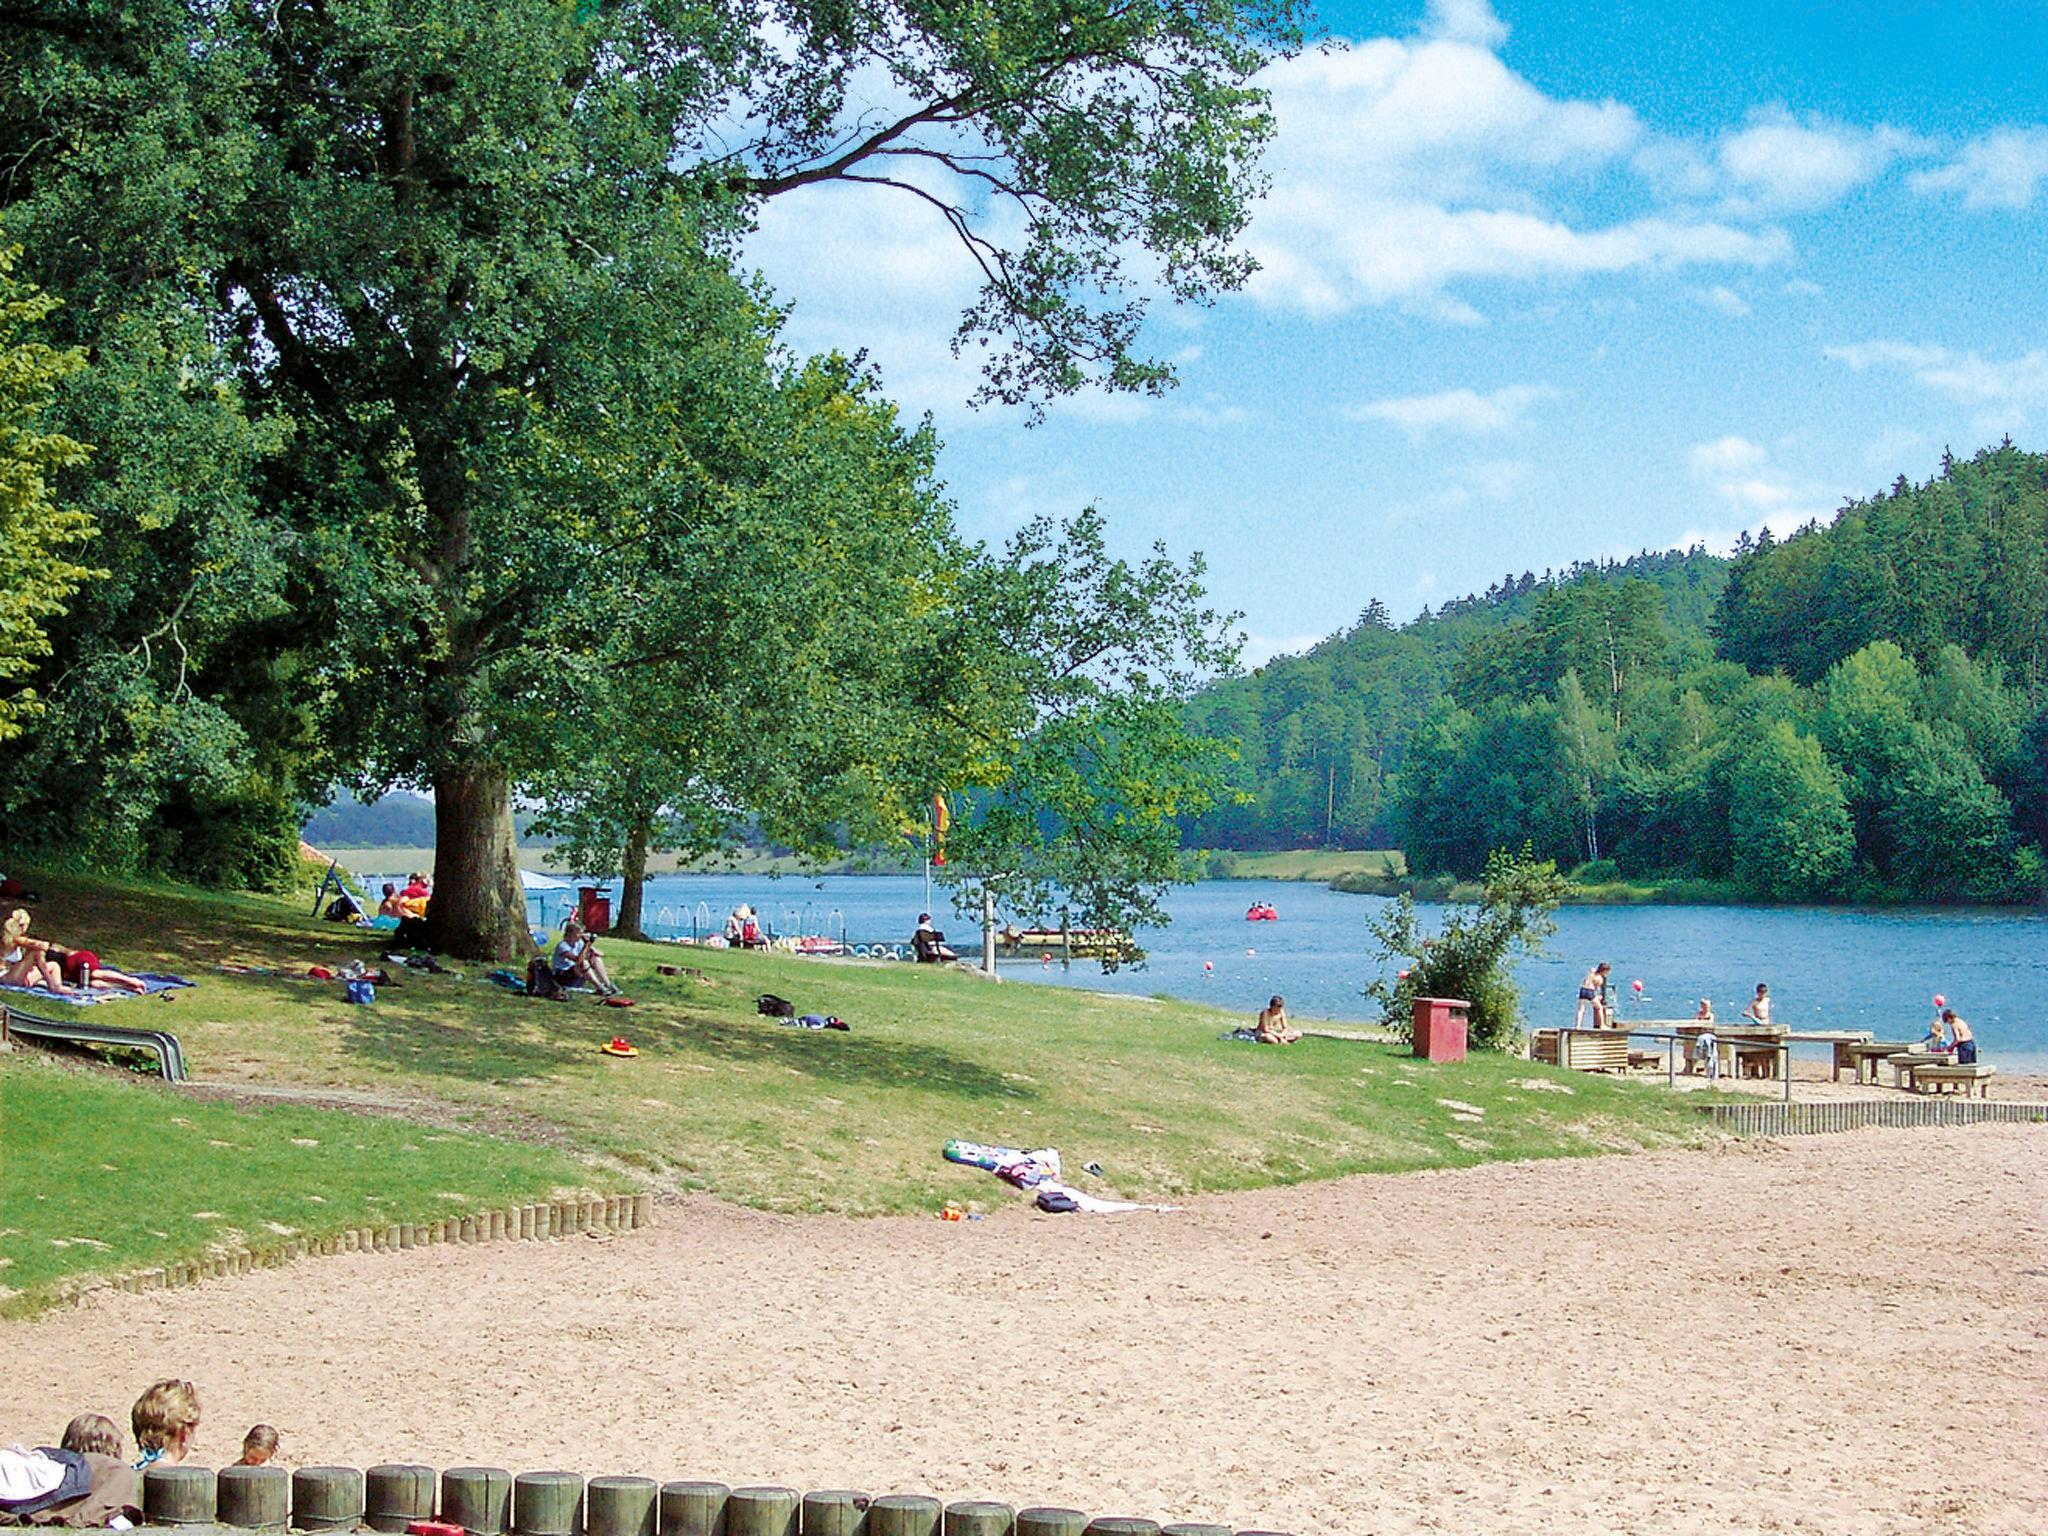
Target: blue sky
<point>1539,282</point>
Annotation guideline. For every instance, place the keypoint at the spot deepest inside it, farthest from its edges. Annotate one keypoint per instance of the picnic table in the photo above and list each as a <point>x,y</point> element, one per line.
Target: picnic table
<point>1739,1045</point>
<point>1867,1056</point>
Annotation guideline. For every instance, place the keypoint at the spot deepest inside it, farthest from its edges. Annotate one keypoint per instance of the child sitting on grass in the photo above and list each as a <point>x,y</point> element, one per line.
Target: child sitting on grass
<point>258,1446</point>
<point>165,1419</point>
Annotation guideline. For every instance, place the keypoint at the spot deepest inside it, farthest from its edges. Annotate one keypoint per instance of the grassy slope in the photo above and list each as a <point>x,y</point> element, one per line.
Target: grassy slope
<point>1316,864</point>
<point>106,1175</point>
<point>723,1100</point>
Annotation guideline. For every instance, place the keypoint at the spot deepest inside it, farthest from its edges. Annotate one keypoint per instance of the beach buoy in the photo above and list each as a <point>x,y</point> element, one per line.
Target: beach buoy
<point>1400,975</point>
<point>1208,965</point>
<point>1637,985</point>
<point>1940,1001</point>
<point>1251,951</point>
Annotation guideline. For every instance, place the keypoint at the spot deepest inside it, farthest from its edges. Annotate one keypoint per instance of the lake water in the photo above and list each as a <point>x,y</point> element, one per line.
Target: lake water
<point>1828,968</point>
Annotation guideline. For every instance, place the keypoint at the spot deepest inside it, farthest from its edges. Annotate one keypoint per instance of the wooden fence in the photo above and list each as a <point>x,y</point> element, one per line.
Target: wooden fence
<point>530,1223</point>
<point>489,1501</point>
<point>1778,1119</point>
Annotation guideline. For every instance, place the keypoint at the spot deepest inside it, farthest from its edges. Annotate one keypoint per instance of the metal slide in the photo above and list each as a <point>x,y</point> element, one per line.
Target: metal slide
<point>170,1058</point>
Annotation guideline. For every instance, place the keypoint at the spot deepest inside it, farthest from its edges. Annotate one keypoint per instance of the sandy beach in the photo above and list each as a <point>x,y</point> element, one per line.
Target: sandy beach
<point>1838,1334</point>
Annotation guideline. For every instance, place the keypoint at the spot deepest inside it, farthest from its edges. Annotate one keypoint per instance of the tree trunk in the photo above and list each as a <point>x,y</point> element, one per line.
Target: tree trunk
<point>633,880</point>
<point>988,929</point>
<point>478,911</point>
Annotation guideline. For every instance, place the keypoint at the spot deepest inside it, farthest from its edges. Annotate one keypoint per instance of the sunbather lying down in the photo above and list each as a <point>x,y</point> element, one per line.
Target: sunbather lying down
<point>1273,1028</point>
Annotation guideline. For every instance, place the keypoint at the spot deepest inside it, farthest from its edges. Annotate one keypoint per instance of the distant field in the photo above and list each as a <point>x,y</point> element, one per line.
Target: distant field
<point>1309,864</point>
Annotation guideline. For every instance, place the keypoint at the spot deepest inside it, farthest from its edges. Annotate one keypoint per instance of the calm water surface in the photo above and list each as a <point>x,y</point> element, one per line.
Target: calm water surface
<point>1829,968</point>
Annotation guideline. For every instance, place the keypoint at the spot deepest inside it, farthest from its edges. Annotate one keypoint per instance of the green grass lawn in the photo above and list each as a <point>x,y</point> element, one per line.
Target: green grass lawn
<point>1315,864</point>
<point>723,1100</point>
<point>102,1175</point>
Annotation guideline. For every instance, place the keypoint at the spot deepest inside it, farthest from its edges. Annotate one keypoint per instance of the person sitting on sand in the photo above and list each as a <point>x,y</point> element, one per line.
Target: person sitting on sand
<point>115,1498</point>
<point>82,970</point>
<point>165,1420</point>
<point>258,1446</point>
<point>577,962</point>
<point>1273,1028</point>
<point>1961,1039</point>
<point>26,962</point>
<point>1593,989</point>
<point>1759,1010</point>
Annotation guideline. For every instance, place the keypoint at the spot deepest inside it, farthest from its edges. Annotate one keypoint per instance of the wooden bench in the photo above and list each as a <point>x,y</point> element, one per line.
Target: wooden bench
<point>1581,1050</point>
<point>1936,1079</point>
<point>1867,1058</point>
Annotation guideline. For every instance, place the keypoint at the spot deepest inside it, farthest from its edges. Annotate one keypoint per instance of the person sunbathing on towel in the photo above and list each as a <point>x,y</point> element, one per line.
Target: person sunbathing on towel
<point>26,962</point>
<point>82,969</point>
<point>1273,1028</point>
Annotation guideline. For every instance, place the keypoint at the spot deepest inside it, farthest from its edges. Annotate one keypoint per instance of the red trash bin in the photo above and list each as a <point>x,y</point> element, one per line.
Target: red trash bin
<point>1440,1028</point>
<point>594,909</point>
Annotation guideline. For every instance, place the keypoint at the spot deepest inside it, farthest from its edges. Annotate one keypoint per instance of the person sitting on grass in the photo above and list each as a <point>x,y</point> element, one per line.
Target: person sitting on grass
<point>26,962</point>
<point>82,970</point>
<point>258,1446</point>
<point>577,962</point>
<point>1273,1028</point>
<point>165,1420</point>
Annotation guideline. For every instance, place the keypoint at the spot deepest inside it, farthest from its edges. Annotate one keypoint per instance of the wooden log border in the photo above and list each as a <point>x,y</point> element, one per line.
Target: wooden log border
<point>607,1215</point>
<point>1778,1119</point>
<point>482,1501</point>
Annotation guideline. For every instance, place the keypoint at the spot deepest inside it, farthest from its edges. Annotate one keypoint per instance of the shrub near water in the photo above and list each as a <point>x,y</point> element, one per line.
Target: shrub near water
<point>1470,957</point>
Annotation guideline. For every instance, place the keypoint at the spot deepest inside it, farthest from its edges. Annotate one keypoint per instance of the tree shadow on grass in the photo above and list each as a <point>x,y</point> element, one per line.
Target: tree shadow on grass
<point>848,1060</point>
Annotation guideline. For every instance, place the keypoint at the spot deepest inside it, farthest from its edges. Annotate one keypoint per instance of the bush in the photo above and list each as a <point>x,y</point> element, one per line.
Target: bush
<point>1597,872</point>
<point>1470,957</point>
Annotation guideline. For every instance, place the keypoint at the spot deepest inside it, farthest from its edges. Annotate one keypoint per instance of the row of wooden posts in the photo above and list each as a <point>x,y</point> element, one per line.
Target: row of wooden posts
<point>530,1223</point>
<point>489,1501</point>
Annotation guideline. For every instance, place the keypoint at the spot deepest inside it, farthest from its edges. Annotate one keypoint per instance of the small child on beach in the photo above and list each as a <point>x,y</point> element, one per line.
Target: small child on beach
<point>93,1434</point>
<point>1759,1010</point>
<point>258,1446</point>
<point>1933,1040</point>
<point>165,1420</point>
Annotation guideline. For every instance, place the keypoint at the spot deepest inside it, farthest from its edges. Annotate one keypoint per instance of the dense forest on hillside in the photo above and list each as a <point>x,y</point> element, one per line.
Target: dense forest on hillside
<point>1860,710</point>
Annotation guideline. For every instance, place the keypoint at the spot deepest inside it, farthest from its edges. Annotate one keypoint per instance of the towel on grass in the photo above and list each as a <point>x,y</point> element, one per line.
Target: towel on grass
<point>156,981</point>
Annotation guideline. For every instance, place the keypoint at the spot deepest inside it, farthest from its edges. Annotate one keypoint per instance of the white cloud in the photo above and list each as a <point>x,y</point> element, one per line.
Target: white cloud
<point>1466,21</point>
<point>2003,169</point>
<point>1746,482</point>
<point>1723,298</point>
<point>1782,163</point>
<point>1405,167</point>
<point>1480,482</point>
<point>1460,410</point>
<point>1967,376</point>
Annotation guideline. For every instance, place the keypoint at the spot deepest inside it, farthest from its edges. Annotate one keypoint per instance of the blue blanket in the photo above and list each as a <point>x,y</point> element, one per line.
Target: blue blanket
<point>156,981</point>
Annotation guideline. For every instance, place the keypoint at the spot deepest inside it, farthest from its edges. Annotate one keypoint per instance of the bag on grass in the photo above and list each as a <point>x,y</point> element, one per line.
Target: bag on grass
<point>769,1006</point>
<point>361,992</point>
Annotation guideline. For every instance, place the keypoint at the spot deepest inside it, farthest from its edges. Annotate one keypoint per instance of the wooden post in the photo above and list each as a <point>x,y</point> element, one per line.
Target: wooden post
<point>1051,1522</point>
<point>1122,1527</point>
<point>693,1509</point>
<point>765,1511</point>
<point>547,1504</point>
<point>620,1506</point>
<point>903,1514</point>
<point>479,1499</point>
<point>177,1495</point>
<point>834,1512</point>
<point>396,1494</point>
<point>1185,1529</point>
<point>976,1518</point>
<point>643,1210</point>
<point>327,1498</point>
<point>259,1498</point>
